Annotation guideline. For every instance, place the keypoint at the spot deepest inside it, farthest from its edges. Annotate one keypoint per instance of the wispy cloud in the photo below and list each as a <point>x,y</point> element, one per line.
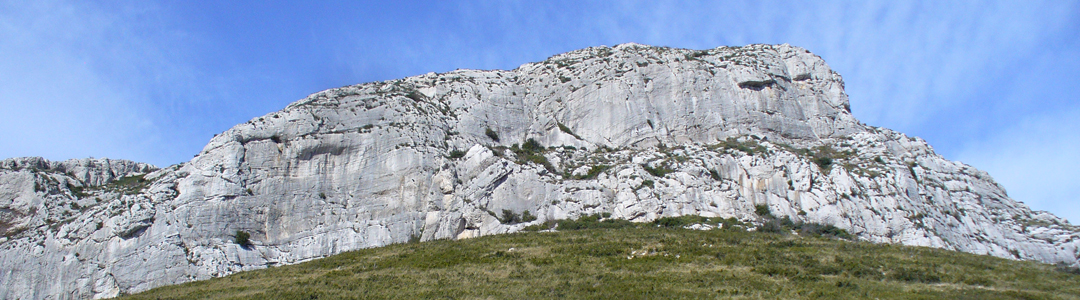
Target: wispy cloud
<point>58,96</point>
<point>118,80</point>
<point>1036,160</point>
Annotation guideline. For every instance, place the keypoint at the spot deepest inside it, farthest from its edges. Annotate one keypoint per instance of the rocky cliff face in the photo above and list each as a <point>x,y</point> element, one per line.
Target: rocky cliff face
<point>635,131</point>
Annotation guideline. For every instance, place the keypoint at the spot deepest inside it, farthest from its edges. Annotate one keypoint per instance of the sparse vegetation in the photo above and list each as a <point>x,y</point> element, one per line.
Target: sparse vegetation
<point>824,157</point>
<point>127,185</point>
<point>646,183</point>
<point>532,151</point>
<point>78,191</point>
<point>658,171</point>
<point>749,146</point>
<point>594,171</point>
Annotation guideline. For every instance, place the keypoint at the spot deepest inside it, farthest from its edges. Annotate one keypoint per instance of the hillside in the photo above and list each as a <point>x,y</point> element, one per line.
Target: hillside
<point>635,261</point>
<point>633,131</point>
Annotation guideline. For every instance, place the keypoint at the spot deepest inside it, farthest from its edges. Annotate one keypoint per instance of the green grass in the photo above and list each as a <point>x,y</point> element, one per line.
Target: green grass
<point>623,260</point>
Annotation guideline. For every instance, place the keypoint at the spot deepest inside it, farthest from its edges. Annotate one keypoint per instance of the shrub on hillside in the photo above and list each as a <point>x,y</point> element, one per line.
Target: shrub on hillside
<point>492,134</point>
<point>243,239</point>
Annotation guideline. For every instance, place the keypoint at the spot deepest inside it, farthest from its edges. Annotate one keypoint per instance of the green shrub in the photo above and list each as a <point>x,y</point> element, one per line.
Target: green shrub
<point>823,230</point>
<point>771,226</point>
<point>646,182</point>
<point>659,171</point>
<point>824,156</point>
<point>532,146</point>
<point>415,96</point>
<point>532,151</point>
<point>593,221</point>
<point>567,130</point>
<point>510,217</point>
<point>243,239</point>
<point>823,162</point>
<point>762,210</point>
<point>681,221</point>
<point>455,154</point>
<point>492,134</point>
<point>526,216</point>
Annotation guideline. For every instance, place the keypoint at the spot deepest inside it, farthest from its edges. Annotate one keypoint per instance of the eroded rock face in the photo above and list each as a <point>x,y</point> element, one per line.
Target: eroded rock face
<point>635,131</point>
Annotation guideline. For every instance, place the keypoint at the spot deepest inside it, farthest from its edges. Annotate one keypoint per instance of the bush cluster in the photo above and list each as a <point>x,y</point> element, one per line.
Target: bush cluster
<point>492,134</point>
<point>532,151</point>
<point>243,239</point>
<point>659,171</point>
<point>510,217</point>
<point>772,224</point>
<point>455,154</point>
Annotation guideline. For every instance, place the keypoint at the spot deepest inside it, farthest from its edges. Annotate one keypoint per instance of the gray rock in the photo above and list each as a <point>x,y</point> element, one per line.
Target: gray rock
<point>371,164</point>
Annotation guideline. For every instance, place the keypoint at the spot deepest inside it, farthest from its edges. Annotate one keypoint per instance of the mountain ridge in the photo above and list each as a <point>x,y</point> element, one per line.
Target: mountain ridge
<point>635,131</point>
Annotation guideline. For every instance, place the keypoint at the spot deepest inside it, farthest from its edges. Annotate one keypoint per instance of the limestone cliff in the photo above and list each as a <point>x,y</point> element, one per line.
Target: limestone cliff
<point>636,131</point>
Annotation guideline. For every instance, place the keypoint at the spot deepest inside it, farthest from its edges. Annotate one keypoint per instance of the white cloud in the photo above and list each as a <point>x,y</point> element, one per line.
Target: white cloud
<point>76,80</point>
<point>57,103</point>
<point>1036,160</point>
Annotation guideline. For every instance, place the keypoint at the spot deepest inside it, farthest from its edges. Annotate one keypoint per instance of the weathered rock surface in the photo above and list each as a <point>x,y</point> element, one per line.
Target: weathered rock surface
<point>635,131</point>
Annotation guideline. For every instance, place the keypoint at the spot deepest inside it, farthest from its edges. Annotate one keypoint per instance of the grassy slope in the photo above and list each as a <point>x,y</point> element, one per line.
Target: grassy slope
<point>662,263</point>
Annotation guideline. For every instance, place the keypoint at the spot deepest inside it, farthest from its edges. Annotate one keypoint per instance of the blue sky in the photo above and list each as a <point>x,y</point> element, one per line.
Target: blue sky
<point>992,84</point>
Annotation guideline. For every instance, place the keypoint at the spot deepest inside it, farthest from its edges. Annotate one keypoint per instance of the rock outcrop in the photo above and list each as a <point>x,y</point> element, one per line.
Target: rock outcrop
<point>636,131</point>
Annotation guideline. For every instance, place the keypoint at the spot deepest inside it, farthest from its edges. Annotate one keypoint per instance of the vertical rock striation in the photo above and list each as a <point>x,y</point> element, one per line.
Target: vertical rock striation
<point>636,131</point>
